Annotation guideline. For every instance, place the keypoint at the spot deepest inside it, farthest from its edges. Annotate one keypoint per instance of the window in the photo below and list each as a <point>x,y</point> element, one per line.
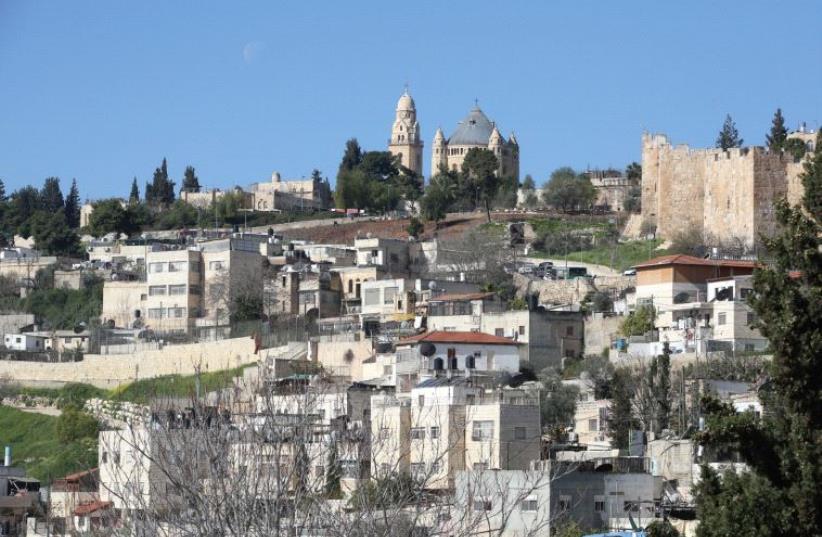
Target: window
<point>480,466</point>
<point>417,433</point>
<point>371,297</point>
<point>529,505</point>
<point>750,318</point>
<point>564,503</point>
<point>218,265</point>
<point>116,457</point>
<point>482,430</point>
<point>417,470</point>
<point>177,313</point>
<point>319,470</point>
<point>435,433</point>
<point>105,457</point>
<point>521,330</point>
<point>385,433</point>
<point>749,347</point>
<point>156,290</point>
<point>177,289</point>
<point>482,504</point>
<point>156,313</point>
<point>599,504</point>
<point>350,469</point>
<point>519,433</point>
<point>435,467</point>
<point>194,290</point>
<point>389,295</point>
<point>177,266</point>
<point>421,400</point>
<point>499,332</point>
<point>745,293</point>
<point>569,330</point>
<point>721,318</point>
<point>470,399</point>
<point>593,425</point>
<point>67,340</point>
<point>632,507</point>
<point>156,267</point>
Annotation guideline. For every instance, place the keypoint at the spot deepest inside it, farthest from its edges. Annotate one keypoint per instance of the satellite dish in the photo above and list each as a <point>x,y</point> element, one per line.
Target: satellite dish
<point>427,349</point>
<point>432,286</point>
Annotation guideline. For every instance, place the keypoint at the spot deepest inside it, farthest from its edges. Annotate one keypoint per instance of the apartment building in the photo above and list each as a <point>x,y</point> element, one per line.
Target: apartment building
<point>675,279</point>
<point>448,424</point>
<point>187,290</point>
<point>546,337</point>
<point>391,255</point>
<point>441,353</point>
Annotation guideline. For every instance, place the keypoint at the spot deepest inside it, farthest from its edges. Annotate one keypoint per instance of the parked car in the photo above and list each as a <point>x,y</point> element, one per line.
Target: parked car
<point>526,268</point>
<point>630,272</point>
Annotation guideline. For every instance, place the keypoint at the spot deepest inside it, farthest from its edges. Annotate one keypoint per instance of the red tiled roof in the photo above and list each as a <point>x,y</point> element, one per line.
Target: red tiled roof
<point>682,259</point>
<point>88,508</point>
<point>440,336</point>
<point>456,297</point>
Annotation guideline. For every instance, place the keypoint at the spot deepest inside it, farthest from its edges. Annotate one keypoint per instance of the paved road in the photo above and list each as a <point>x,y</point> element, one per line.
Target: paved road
<point>594,270</point>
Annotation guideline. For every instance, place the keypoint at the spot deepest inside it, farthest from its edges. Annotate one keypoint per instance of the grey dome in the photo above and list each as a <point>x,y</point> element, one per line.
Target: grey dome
<point>475,129</point>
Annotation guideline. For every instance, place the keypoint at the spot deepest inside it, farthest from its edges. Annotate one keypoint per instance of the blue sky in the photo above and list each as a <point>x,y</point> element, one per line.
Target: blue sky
<point>102,91</point>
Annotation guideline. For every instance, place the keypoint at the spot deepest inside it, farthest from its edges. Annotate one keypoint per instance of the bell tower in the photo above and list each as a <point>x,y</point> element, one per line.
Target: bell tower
<point>405,135</point>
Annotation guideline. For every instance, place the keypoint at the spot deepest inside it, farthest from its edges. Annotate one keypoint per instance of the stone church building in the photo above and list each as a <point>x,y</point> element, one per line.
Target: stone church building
<point>475,131</point>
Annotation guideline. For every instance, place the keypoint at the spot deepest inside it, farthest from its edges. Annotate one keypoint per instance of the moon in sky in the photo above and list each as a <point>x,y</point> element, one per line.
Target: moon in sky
<point>252,50</point>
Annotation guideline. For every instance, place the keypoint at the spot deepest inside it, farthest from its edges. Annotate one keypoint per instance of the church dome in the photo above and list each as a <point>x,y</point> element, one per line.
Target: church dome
<point>475,129</point>
<point>406,103</point>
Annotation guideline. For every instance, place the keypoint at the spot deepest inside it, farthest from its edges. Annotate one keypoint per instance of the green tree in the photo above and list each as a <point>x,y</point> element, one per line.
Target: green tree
<point>109,216</point>
<point>776,138</point>
<point>160,192</point>
<point>638,322</point>
<point>74,424</point>
<point>528,183</point>
<point>480,169</point>
<point>73,206</point>
<point>438,197</point>
<point>566,190</point>
<point>351,157</point>
<point>661,528</point>
<point>2,191</point>
<point>53,236</point>
<point>621,418</point>
<point>178,215</point>
<point>558,403</point>
<point>190,181</point>
<point>134,196</point>
<point>23,204</point>
<point>728,136</point>
<point>795,147</point>
<point>415,227</point>
<point>780,495</point>
<point>51,197</point>
<point>633,172</point>
<point>663,389</point>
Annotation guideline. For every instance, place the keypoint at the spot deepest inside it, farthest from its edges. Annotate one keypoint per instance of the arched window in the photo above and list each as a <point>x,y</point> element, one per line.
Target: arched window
<point>452,363</point>
<point>470,362</point>
<point>438,365</point>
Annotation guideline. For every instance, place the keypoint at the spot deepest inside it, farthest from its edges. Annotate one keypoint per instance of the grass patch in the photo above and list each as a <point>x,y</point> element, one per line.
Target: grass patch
<point>174,386</point>
<point>621,256</point>
<point>570,223</point>
<point>36,447</point>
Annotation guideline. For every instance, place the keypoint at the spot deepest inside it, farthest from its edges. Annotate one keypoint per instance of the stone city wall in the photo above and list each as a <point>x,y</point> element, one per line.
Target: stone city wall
<point>725,196</point>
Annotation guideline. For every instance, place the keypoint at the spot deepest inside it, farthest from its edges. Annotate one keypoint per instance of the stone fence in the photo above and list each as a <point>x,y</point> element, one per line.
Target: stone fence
<point>108,371</point>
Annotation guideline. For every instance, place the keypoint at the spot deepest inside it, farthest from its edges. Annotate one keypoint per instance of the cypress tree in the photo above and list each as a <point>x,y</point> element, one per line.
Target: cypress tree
<point>51,198</point>
<point>134,196</point>
<point>72,207</point>
<point>776,138</point>
<point>728,136</point>
<point>190,181</point>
